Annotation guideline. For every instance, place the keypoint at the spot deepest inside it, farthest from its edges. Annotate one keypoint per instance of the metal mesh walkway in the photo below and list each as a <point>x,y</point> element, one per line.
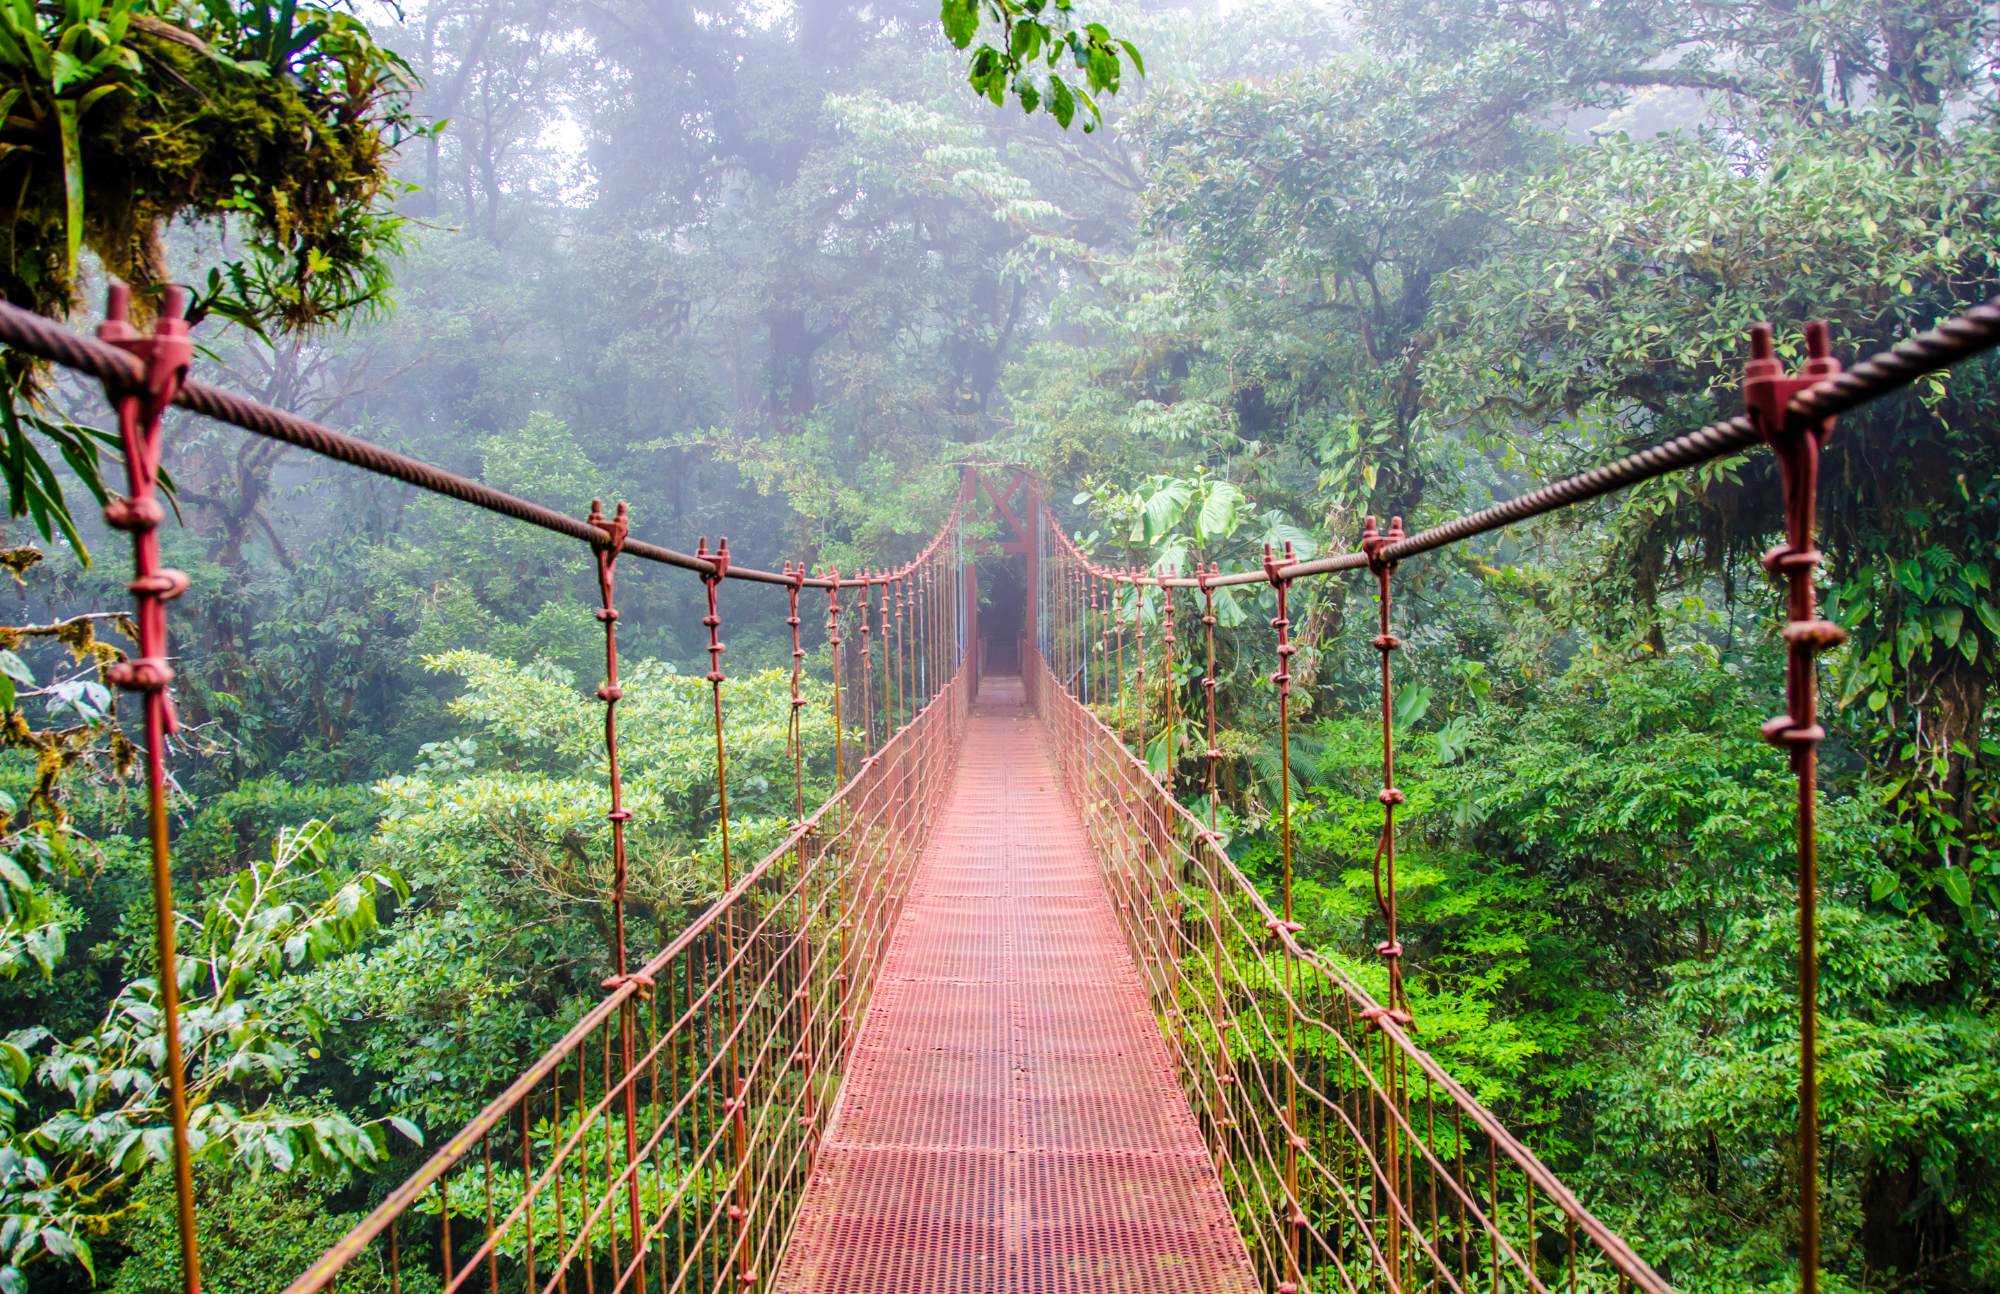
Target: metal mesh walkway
<point>1011,1121</point>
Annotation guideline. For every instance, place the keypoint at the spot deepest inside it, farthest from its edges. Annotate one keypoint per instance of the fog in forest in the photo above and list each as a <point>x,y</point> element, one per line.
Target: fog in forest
<point>776,272</point>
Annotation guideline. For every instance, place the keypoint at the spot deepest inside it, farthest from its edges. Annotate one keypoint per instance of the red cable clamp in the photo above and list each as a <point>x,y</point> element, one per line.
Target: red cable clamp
<point>1375,1015</point>
<point>1373,541</point>
<point>1276,924</point>
<point>615,530</point>
<point>643,980</point>
<point>140,674</point>
<point>1271,565</point>
<point>719,558</point>
<point>1390,795</point>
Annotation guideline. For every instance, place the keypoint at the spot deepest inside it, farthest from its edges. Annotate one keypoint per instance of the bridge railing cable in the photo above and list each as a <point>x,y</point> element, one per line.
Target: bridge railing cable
<point>1323,1114</point>
<point>673,1128</point>
<point>1351,1159</point>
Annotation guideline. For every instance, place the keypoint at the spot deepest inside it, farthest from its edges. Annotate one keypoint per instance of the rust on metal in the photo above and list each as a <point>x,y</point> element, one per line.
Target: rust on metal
<point>1796,439</point>
<point>1374,542</point>
<point>1012,1119</point>
<point>141,400</point>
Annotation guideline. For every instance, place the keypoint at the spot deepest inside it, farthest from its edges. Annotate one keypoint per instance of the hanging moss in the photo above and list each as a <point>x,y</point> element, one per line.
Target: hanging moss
<point>297,160</point>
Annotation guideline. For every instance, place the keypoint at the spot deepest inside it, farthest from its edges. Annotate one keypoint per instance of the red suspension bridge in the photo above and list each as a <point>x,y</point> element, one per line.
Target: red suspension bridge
<point>1001,1014</point>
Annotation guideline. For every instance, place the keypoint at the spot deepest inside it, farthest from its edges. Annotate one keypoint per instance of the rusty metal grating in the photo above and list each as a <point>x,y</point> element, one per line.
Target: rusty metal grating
<point>1012,1120</point>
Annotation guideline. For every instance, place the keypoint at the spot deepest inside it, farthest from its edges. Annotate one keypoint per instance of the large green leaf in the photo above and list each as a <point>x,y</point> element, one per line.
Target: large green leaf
<point>961,21</point>
<point>1163,509</point>
<point>1220,505</point>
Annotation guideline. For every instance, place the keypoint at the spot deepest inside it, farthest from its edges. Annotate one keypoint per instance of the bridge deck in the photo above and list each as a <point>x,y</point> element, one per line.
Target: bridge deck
<point>1011,1120</point>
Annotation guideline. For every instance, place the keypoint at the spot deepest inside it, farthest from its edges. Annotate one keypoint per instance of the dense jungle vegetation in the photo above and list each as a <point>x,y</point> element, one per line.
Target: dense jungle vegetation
<point>773,271</point>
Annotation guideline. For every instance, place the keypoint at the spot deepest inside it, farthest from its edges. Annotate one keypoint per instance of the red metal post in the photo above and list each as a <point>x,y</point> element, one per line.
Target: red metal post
<point>1390,949</point>
<point>739,1211</point>
<point>166,354</point>
<point>1030,621</point>
<point>833,641</point>
<point>1797,443</point>
<point>615,531</point>
<point>1282,679</point>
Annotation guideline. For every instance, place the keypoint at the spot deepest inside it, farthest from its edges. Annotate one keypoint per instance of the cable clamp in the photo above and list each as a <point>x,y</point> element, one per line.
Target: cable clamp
<point>718,559</point>
<point>1374,540</point>
<point>643,980</point>
<point>166,584</point>
<point>1782,560</point>
<point>615,529</point>
<point>1819,635</point>
<point>1271,563</point>
<point>134,516</point>
<point>1784,731</point>
<point>1768,390</point>
<point>140,674</point>
<point>1375,1015</point>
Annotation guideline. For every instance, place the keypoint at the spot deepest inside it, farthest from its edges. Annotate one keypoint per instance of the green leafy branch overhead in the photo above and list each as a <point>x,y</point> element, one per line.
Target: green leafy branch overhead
<point>276,123</point>
<point>1032,35</point>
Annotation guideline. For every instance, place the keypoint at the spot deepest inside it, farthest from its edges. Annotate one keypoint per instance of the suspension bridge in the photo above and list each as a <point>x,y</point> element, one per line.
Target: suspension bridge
<point>1001,1014</point>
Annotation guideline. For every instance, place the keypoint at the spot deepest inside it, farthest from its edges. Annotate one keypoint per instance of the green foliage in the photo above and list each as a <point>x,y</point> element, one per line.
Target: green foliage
<point>124,116</point>
<point>1034,32</point>
<point>205,113</point>
<point>241,1028</point>
<point>1290,289</point>
<point>255,1236</point>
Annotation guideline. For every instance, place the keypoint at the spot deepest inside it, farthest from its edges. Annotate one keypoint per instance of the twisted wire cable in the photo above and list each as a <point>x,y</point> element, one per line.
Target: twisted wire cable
<point>34,335</point>
<point>1975,331</point>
